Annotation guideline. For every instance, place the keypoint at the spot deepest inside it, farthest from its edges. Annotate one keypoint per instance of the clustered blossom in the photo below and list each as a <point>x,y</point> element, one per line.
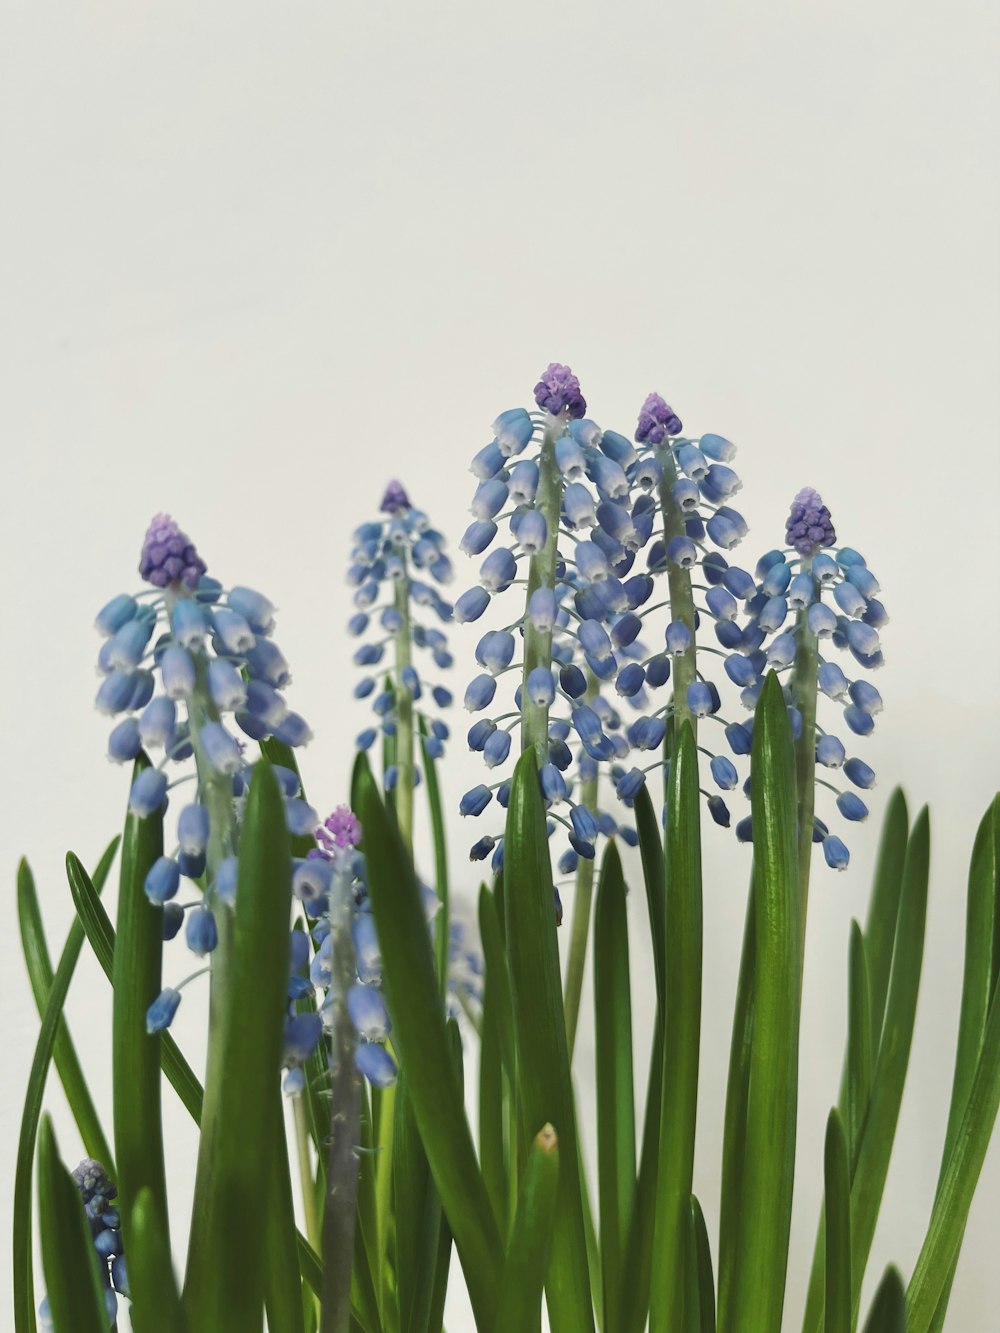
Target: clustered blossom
<point>802,595</point>
<point>391,561</point>
<point>809,526</point>
<point>688,482</point>
<point>330,885</point>
<point>558,391</point>
<point>98,1195</point>
<point>174,665</point>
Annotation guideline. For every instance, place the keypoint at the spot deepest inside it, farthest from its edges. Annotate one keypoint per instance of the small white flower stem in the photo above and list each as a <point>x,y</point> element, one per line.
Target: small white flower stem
<point>803,686</point>
<point>345,1088</point>
<point>542,574</point>
<point>404,712</point>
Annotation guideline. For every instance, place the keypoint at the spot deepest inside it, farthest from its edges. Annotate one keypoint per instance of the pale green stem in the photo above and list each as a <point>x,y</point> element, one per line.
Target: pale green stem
<point>404,715</point>
<point>580,931</point>
<point>306,1180</point>
<point>683,668</point>
<point>542,574</point>
<point>803,687</point>
<point>342,1162</point>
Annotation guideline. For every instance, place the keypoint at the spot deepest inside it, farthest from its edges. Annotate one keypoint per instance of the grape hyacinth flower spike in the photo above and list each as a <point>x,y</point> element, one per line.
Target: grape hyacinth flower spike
<point>557,482</point>
<point>808,601</point>
<point>185,665</point>
<point>686,483</point>
<point>104,1220</point>
<point>396,563</point>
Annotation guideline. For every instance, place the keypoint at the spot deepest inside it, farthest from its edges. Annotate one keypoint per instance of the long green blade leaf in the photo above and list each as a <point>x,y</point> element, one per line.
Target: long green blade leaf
<point>156,1301</point>
<point>888,1312</point>
<point>539,1024</point>
<point>769,1162</point>
<point>837,1181</point>
<point>528,1255</point>
<point>420,1037</point>
<point>69,1259</point>
<point>136,1052</point>
<point>651,851</point>
<point>860,1058</point>
<point>982,961</point>
<point>615,1085</point>
<point>224,1289</point>
<point>889,1077</point>
<point>497,1033</point>
<point>702,1252</point>
<point>67,1063</point>
<point>682,1037</point>
<point>24,1307</point>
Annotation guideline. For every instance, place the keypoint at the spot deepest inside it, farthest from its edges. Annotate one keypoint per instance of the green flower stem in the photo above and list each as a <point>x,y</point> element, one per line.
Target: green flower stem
<point>345,1129</point>
<point>803,684</point>
<point>681,596</point>
<point>404,714</point>
<point>580,931</point>
<point>542,574</point>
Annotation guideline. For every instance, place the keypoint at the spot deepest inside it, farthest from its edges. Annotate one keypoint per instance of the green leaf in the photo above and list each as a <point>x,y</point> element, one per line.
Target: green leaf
<point>860,1058</point>
<point>496,1060</point>
<point>837,1181</point>
<point>282,1280</point>
<point>67,1063</point>
<point>735,1120</point>
<point>442,920</point>
<point>72,1279</point>
<point>539,1025</point>
<point>24,1297</point>
<point>156,1302</point>
<point>224,1288</point>
<point>101,937</point>
<point>968,1137</point>
<point>417,1212</point>
<point>639,1254</point>
<point>651,851</point>
<point>420,1037</point>
<point>888,1312</point>
<point>701,1251</point>
<point>614,1083</point>
<point>889,1076</point>
<point>883,908</point>
<point>682,1036</point>
<point>878,941</point>
<point>761,1251</point>
<point>982,961</point>
<point>135,1052</point>
<point>530,1243</point>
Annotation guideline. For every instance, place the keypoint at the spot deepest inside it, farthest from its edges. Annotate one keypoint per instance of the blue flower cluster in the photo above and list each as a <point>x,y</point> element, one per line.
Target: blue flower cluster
<point>690,482</point>
<point>330,884</point>
<point>98,1195</point>
<point>395,563</point>
<point>174,663</point>
<point>803,602</point>
<point>561,486</point>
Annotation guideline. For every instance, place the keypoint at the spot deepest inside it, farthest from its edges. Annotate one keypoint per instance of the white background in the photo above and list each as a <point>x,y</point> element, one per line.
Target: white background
<point>257,259</point>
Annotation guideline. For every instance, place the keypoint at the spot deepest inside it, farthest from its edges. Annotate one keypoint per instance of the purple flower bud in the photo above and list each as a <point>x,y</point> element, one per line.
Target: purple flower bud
<point>724,772</point>
<point>553,783</point>
<point>201,932</point>
<point>162,880</point>
<point>677,638</point>
<point>809,525</point>
<point>558,390</point>
<point>368,1013</point>
<point>578,505</point>
<point>471,605</point>
<point>572,681</point>
<point>656,421</point>
<point>475,801</point>
<point>220,748</point>
<point>496,573</point>
<point>115,614</point>
<point>395,500</point>
<point>497,748</point>
<point>540,687</point>
<point>488,462</point>
<point>124,743</point>
<point>837,855</point>
<point>832,681</point>
<point>479,693</point>
<point>168,556</point>
<point>830,751</point>
<point>489,499</point>
<point>859,773</point>
<point>523,484</point>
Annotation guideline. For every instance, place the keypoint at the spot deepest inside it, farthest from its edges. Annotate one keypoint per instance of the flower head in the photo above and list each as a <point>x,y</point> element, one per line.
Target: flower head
<point>168,556</point>
<point>339,830</point>
<point>395,499</point>
<point>656,421</point>
<point>809,526</point>
<point>558,390</point>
